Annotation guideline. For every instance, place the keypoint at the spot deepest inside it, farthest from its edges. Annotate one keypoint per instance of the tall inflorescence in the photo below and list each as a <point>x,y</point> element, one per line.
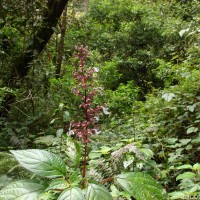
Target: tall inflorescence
<point>86,91</point>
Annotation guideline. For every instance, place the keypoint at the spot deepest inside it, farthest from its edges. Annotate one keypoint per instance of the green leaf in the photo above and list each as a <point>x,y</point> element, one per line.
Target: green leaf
<point>72,194</point>
<point>22,190</point>
<point>184,141</point>
<point>141,186</point>
<point>97,192</point>
<point>53,120</point>
<point>185,167</point>
<point>60,184</point>
<point>4,180</point>
<point>171,140</point>
<point>168,96</point>
<point>147,152</point>
<point>59,132</point>
<point>47,139</point>
<point>196,166</point>
<point>41,162</point>
<point>192,130</point>
<point>192,107</point>
<point>188,175</point>
<point>105,150</point>
<point>61,106</point>
<point>182,32</point>
<point>65,116</point>
<point>177,195</point>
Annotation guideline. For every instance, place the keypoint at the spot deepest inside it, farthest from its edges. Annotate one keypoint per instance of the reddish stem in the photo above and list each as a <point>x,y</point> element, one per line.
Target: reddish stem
<point>107,179</point>
<point>85,140</point>
<point>84,165</point>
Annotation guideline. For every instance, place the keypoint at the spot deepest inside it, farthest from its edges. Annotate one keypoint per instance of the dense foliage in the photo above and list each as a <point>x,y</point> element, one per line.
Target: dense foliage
<point>145,55</point>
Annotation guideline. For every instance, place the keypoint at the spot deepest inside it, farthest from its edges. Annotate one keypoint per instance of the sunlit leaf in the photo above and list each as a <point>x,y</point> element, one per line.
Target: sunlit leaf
<point>192,130</point>
<point>59,184</point>
<point>141,186</point>
<point>168,96</point>
<point>22,190</point>
<point>185,167</point>
<point>97,192</point>
<point>41,162</point>
<point>188,175</point>
<point>72,194</point>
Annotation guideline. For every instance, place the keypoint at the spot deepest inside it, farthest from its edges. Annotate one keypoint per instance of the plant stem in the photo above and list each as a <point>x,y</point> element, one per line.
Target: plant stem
<point>85,140</point>
<point>84,165</point>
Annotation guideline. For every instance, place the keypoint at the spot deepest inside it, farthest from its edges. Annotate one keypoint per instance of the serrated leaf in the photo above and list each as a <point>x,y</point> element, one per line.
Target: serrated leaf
<point>97,192</point>
<point>41,162</point>
<point>59,184</point>
<point>72,194</point>
<point>168,96</point>
<point>141,186</point>
<point>188,175</point>
<point>22,190</point>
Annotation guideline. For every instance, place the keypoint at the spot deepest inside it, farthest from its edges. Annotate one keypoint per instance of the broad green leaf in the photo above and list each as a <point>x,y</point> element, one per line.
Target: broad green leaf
<point>60,184</point>
<point>177,195</point>
<point>41,162</point>
<point>171,140</point>
<point>65,116</point>
<point>104,150</point>
<point>192,130</point>
<point>47,140</point>
<point>182,32</point>
<point>147,152</point>
<point>94,155</point>
<point>59,132</point>
<point>185,141</point>
<point>141,186</point>
<point>22,190</point>
<point>185,167</point>
<point>188,175</point>
<point>61,106</point>
<point>192,107</point>
<point>72,194</point>
<point>168,96</point>
<point>196,166</point>
<point>73,151</point>
<point>97,192</point>
<point>4,180</point>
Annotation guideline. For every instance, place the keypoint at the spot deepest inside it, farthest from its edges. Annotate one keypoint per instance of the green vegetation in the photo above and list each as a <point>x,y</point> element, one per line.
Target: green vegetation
<point>120,122</point>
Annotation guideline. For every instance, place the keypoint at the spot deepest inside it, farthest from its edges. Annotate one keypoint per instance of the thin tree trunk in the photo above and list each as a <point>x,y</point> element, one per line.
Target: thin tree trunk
<point>61,44</point>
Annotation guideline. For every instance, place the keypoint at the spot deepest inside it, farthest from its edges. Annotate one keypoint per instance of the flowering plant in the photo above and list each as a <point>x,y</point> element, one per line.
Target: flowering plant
<point>86,91</point>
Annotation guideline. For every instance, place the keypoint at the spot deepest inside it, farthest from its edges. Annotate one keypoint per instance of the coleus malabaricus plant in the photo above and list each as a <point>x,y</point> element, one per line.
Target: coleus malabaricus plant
<point>86,90</point>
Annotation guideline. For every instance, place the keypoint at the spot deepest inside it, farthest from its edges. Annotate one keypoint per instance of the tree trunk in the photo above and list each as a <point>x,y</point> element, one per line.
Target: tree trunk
<point>61,44</point>
<point>22,63</point>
